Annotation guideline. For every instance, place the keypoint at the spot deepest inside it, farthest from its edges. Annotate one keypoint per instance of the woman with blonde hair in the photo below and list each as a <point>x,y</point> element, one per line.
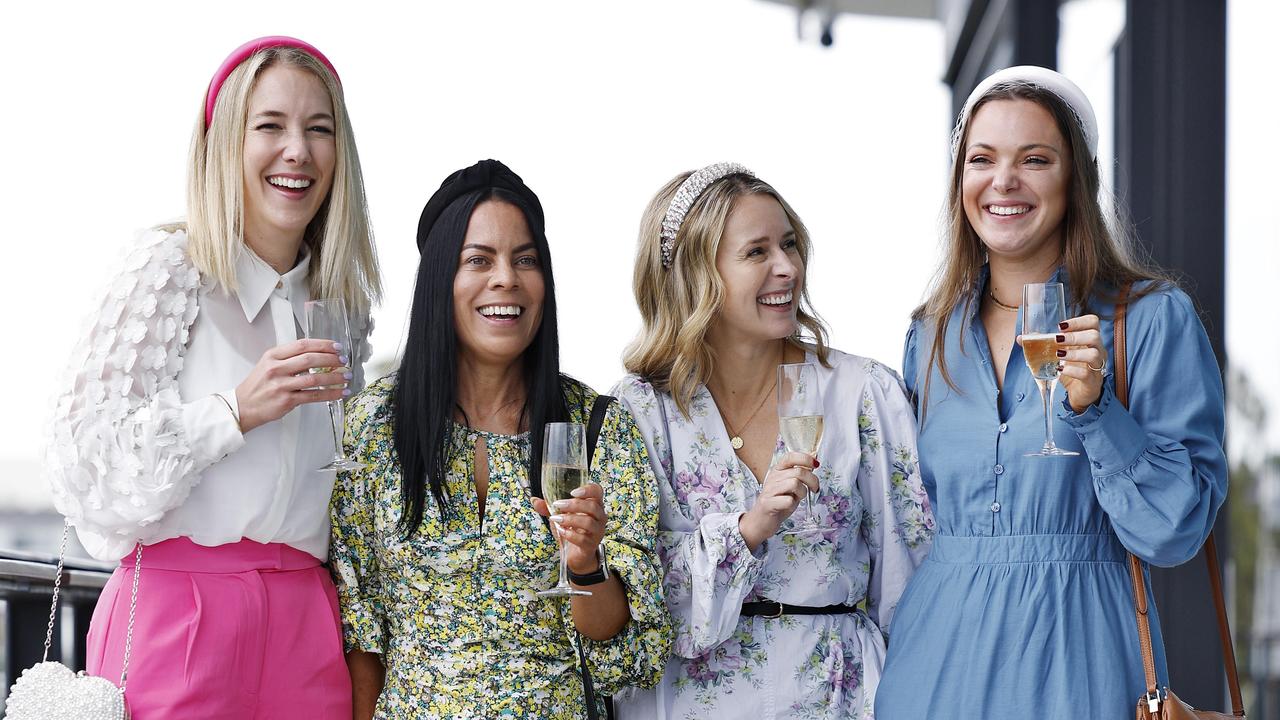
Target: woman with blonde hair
<point>189,437</point>
<point>1025,604</point>
<point>776,615</point>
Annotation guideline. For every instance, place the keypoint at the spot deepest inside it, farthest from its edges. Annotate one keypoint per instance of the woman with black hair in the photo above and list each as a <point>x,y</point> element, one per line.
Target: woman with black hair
<point>437,548</point>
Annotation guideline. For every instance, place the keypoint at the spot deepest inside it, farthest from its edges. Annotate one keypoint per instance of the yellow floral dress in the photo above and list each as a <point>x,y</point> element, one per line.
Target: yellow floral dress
<point>453,610</point>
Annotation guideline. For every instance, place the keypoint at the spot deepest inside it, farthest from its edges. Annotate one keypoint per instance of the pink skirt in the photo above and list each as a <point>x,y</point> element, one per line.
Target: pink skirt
<point>240,631</point>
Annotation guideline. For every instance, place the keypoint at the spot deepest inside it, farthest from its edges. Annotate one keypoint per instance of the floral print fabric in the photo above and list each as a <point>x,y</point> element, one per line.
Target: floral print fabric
<point>452,610</point>
<point>876,524</point>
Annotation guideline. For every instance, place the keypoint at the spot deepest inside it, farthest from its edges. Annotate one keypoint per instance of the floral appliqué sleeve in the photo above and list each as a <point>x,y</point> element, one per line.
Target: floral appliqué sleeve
<point>638,654</point>
<point>898,522</point>
<point>124,448</point>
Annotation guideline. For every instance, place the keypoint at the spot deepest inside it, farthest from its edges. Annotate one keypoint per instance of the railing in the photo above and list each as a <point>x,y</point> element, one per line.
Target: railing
<point>26,589</point>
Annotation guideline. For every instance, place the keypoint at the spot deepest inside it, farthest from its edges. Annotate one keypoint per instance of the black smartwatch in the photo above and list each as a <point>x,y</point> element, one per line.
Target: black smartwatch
<point>599,575</point>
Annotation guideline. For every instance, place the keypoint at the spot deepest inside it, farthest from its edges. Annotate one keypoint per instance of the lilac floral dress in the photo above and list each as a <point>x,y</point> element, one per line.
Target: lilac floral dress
<point>877,526</point>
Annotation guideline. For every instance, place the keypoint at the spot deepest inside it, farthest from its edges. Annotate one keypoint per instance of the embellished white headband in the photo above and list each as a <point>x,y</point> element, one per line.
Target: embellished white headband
<point>685,196</point>
<point>1056,83</point>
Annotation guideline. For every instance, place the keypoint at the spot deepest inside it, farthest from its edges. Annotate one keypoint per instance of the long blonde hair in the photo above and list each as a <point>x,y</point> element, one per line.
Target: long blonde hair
<point>679,304</point>
<point>1098,246</point>
<point>343,263</point>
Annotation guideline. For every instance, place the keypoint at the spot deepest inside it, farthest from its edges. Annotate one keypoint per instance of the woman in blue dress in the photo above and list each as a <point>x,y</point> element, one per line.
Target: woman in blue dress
<point>1025,605</point>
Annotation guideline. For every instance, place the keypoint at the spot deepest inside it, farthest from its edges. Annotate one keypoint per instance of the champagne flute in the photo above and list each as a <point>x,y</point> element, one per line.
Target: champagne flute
<point>1043,307</point>
<point>327,320</point>
<point>800,423</point>
<point>564,469</point>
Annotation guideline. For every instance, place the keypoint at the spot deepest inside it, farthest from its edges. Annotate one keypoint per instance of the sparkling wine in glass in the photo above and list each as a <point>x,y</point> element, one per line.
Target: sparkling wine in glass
<point>1043,307</point>
<point>564,469</point>
<point>327,320</point>
<point>800,422</point>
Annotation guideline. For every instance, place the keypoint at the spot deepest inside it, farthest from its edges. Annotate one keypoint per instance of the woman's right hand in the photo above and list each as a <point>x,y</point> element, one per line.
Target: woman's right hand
<point>786,483</point>
<point>282,380</point>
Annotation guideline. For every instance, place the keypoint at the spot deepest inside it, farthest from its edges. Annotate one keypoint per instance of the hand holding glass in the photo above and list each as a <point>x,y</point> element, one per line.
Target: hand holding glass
<point>327,320</point>
<point>1043,308</point>
<point>800,422</point>
<point>564,469</point>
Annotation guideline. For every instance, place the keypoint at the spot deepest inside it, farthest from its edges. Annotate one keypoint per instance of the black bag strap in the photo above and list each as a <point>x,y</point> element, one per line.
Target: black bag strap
<point>598,410</point>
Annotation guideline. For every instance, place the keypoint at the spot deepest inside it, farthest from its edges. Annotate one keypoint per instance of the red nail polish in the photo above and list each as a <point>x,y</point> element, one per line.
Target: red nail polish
<point>816,464</point>
<point>1062,353</point>
<point>1060,338</point>
<point>1063,325</point>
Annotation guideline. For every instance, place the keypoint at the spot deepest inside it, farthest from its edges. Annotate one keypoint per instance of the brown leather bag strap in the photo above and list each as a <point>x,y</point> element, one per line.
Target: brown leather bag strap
<point>1140,602</point>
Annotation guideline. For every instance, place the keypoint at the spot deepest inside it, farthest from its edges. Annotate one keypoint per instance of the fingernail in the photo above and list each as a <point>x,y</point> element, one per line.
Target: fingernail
<point>556,518</point>
<point>1063,325</point>
<point>344,359</point>
<point>1060,338</point>
<point>578,492</point>
<point>346,392</point>
<point>1062,353</point>
<point>337,347</point>
<point>559,504</point>
<point>816,464</point>
<point>347,375</point>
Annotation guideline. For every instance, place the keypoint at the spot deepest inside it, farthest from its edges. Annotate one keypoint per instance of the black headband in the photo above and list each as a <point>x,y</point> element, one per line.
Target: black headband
<point>484,175</point>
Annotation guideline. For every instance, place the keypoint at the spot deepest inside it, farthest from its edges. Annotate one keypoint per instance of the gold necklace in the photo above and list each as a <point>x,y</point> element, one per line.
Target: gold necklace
<point>734,438</point>
<point>999,304</point>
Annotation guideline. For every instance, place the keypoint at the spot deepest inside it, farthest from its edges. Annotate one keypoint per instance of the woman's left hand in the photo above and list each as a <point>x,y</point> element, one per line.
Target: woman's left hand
<point>582,522</point>
<point>1082,359</point>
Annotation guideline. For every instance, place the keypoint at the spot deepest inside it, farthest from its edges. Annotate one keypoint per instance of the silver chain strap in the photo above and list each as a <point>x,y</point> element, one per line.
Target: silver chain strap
<point>133,604</point>
<point>57,586</point>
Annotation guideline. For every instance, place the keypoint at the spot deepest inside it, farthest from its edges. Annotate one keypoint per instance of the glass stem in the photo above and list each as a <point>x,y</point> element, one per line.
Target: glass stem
<point>334,424</point>
<point>1046,392</point>
<point>564,559</point>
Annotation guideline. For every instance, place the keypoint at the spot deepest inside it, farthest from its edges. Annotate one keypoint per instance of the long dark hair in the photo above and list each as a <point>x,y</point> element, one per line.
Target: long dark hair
<point>426,388</point>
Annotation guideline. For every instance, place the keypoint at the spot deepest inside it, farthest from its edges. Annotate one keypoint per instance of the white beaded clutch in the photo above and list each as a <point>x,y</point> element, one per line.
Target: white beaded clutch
<point>50,691</point>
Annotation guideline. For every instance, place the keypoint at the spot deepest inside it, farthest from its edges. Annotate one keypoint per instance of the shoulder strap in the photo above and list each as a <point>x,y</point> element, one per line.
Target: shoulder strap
<point>598,410</point>
<point>1140,602</point>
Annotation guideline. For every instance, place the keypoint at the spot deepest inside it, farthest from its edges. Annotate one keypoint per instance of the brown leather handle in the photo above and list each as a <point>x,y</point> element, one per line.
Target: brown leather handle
<point>1140,601</point>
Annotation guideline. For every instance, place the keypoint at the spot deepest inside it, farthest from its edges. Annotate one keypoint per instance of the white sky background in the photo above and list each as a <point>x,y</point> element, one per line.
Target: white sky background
<point>595,105</point>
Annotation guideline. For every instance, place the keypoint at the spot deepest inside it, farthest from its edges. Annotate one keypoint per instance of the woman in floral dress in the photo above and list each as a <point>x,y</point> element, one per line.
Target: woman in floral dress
<point>438,551</point>
<point>767,625</point>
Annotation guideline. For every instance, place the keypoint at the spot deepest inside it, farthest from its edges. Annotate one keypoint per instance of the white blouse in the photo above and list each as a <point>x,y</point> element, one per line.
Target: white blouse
<point>141,447</point>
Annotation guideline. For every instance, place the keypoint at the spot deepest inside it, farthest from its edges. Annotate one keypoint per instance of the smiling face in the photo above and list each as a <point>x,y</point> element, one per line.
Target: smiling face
<point>1016,180</point>
<point>499,288</point>
<point>759,264</point>
<point>289,155</point>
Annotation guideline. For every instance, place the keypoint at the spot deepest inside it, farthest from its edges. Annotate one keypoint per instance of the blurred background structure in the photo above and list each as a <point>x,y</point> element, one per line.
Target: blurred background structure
<point>844,105</point>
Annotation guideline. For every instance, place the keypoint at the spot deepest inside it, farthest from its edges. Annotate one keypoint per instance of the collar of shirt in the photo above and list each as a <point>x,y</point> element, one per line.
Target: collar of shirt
<point>258,280</point>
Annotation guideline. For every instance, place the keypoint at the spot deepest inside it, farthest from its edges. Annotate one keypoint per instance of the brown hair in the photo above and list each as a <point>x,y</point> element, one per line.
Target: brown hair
<point>1099,250</point>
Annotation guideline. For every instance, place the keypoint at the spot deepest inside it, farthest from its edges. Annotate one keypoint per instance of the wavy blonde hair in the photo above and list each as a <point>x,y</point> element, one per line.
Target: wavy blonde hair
<point>679,304</point>
<point>344,263</point>
<point>1099,250</point>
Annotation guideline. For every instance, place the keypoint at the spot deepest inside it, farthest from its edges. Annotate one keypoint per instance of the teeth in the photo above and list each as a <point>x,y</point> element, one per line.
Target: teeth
<point>1006,210</point>
<point>289,182</point>
<point>504,310</point>
<point>782,299</point>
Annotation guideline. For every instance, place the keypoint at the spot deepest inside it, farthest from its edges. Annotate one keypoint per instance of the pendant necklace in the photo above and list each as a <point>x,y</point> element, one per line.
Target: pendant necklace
<point>734,438</point>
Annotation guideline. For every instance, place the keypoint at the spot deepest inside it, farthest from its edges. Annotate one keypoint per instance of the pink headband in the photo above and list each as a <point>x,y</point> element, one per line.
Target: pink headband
<point>244,52</point>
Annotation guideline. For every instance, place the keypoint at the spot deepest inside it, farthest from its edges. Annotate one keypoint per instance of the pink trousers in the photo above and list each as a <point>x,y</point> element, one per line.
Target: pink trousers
<point>244,631</point>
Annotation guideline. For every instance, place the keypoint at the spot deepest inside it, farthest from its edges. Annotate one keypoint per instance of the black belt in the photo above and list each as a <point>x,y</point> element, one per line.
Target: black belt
<point>771,609</point>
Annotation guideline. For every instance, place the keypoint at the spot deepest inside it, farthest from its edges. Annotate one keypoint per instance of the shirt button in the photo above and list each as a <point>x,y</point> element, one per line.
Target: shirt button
<point>1097,464</point>
<point>999,469</point>
<point>1021,396</point>
<point>995,507</point>
<point>1004,427</point>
